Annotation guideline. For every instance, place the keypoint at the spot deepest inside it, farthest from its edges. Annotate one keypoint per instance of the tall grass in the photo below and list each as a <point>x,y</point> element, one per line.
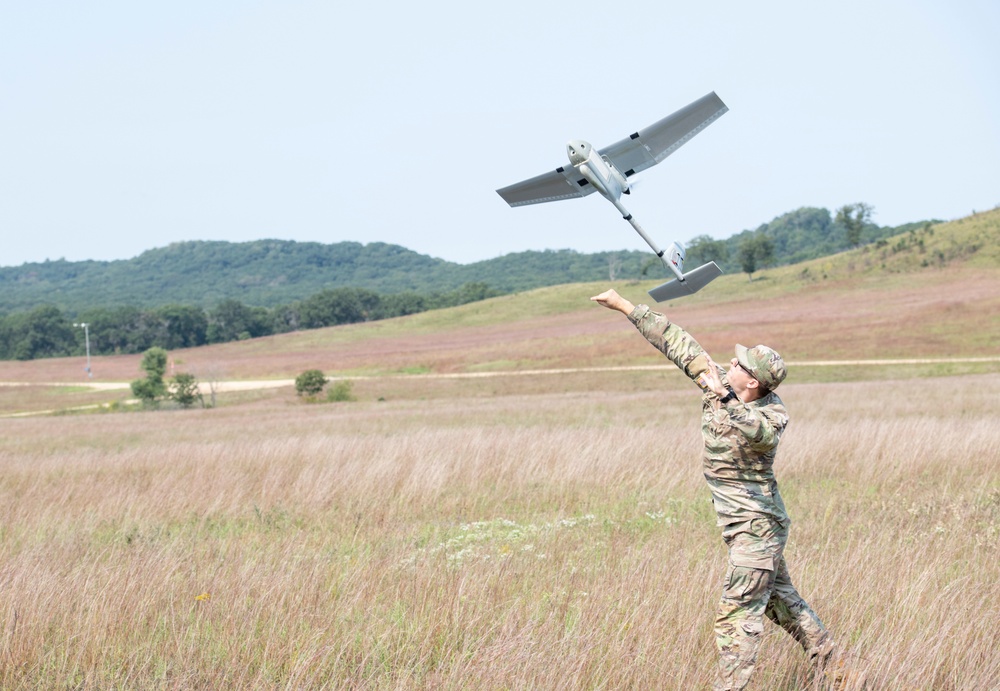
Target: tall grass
<point>552,540</point>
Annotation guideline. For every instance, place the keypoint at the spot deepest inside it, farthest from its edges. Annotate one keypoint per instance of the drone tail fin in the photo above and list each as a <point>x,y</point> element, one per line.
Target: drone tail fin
<point>694,280</point>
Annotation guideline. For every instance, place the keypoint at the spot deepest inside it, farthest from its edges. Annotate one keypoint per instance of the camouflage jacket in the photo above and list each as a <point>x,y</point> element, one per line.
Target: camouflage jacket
<point>740,438</point>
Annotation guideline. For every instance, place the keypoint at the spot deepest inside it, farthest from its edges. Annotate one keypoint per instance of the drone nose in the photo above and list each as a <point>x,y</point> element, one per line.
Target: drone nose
<point>577,151</point>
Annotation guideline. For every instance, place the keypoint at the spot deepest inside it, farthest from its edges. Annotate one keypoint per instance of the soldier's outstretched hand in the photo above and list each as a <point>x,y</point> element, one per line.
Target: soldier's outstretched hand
<point>612,300</point>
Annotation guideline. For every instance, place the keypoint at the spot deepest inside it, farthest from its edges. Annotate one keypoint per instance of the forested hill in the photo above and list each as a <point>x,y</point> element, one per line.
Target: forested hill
<point>268,273</point>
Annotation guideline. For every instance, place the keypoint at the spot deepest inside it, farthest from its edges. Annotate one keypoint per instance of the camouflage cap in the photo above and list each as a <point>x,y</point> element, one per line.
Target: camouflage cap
<point>764,363</point>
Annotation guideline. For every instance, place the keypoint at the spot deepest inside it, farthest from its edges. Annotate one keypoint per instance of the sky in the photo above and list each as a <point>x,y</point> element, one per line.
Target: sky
<point>128,126</point>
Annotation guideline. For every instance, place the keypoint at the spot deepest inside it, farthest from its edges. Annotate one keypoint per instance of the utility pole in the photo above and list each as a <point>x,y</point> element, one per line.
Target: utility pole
<point>86,337</point>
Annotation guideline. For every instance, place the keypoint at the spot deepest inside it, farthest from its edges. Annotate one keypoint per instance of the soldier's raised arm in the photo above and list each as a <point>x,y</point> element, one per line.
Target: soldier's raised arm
<point>670,339</point>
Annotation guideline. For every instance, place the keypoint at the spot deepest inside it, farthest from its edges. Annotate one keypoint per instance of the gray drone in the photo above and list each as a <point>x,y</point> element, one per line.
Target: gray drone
<point>608,171</point>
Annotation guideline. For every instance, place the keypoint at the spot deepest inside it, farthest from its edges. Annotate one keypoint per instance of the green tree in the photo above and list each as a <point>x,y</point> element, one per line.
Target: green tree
<point>116,330</point>
<point>184,390</point>
<point>285,318</point>
<point>181,326</point>
<point>748,257</point>
<point>310,383</point>
<point>756,251</point>
<point>338,306</point>
<point>42,332</point>
<point>854,218</point>
<point>151,389</point>
<point>802,234</point>
<point>231,320</point>
<point>703,249</point>
<point>649,264</point>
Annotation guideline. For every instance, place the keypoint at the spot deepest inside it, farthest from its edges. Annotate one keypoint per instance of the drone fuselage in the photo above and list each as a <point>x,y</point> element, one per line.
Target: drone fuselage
<point>597,170</point>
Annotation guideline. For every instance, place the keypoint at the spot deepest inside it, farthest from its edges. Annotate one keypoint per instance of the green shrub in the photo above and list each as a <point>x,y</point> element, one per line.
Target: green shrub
<point>341,391</point>
<point>309,383</point>
<point>184,390</point>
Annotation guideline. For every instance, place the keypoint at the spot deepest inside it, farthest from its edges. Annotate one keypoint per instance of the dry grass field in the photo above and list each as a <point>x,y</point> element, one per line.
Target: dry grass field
<point>543,540</point>
<point>538,529</point>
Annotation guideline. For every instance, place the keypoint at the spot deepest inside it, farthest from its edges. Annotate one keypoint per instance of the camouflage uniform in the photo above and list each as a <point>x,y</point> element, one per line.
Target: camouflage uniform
<point>740,444</point>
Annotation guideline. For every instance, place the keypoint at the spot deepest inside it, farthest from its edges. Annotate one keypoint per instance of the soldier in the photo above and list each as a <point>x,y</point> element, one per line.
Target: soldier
<point>742,422</point>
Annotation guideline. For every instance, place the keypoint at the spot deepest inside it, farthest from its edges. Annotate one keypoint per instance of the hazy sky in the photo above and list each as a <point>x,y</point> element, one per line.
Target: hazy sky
<point>126,126</point>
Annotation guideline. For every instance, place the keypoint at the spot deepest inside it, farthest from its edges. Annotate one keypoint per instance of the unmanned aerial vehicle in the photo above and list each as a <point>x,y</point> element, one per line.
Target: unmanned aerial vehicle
<point>609,171</point>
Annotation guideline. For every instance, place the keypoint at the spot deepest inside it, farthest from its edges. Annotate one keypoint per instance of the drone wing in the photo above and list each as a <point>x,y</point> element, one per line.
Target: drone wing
<point>649,146</point>
<point>561,183</point>
<point>642,149</point>
<point>694,281</point>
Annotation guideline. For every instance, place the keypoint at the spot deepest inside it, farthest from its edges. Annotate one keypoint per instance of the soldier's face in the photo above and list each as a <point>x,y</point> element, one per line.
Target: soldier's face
<point>738,377</point>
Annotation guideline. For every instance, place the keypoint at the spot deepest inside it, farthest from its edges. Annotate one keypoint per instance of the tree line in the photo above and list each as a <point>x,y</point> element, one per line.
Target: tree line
<point>47,331</point>
<point>270,273</point>
<point>797,236</point>
<point>174,287</point>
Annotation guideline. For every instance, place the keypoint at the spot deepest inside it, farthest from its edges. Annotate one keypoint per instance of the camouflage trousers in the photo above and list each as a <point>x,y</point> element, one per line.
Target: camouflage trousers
<point>757,584</point>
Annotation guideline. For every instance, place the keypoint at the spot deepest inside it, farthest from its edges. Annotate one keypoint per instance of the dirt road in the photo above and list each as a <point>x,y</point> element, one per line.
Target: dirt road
<point>250,385</point>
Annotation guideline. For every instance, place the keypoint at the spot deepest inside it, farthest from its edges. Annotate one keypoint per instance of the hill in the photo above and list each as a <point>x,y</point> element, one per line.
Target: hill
<point>931,293</point>
<point>270,273</point>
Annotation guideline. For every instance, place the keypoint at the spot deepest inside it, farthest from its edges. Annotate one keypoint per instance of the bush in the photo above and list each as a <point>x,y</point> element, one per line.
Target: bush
<point>309,383</point>
<point>184,390</point>
<point>341,391</point>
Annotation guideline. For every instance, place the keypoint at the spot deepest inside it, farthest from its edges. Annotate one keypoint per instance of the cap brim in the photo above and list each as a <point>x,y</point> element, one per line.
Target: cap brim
<point>741,356</point>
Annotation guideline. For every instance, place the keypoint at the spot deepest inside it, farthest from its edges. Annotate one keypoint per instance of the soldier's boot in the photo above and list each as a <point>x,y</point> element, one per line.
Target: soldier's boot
<point>833,672</point>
